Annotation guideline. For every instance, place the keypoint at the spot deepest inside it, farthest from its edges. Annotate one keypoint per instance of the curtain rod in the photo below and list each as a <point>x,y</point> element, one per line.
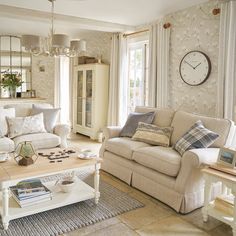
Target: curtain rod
<point>137,32</point>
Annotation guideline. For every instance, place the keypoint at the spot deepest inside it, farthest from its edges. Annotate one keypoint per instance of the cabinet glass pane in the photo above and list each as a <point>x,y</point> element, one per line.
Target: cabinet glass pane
<point>79,97</point>
<point>89,93</point>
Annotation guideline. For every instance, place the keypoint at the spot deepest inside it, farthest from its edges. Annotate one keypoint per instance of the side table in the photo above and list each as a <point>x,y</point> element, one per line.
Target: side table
<point>228,181</point>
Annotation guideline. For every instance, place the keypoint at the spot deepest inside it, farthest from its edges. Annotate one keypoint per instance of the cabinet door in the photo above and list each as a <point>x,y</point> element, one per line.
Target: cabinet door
<point>88,98</point>
<point>79,98</point>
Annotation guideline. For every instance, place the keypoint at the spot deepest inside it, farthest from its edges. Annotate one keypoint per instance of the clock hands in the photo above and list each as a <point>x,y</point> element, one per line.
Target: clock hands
<point>194,67</point>
<point>197,65</point>
<point>188,64</point>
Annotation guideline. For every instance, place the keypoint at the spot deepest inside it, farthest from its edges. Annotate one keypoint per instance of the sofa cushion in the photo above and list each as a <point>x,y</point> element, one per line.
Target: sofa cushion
<point>49,116</point>
<point>132,122</point>
<point>40,140</point>
<point>197,137</point>
<point>10,112</point>
<point>6,145</point>
<point>123,146</point>
<point>25,125</point>
<point>153,134</point>
<point>163,117</point>
<point>183,121</point>
<point>163,159</point>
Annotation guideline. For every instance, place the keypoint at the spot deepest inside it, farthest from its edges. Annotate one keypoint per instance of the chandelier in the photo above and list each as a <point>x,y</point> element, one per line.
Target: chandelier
<point>55,44</point>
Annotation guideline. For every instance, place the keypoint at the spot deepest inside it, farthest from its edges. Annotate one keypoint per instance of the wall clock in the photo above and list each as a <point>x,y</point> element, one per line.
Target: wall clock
<point>195,68</point>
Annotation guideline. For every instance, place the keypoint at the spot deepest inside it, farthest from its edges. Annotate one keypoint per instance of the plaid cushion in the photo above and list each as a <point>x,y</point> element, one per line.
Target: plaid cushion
<point>197,137</point>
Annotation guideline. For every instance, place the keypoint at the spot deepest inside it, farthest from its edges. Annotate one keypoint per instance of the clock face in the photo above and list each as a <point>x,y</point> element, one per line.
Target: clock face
<point>195,68</point>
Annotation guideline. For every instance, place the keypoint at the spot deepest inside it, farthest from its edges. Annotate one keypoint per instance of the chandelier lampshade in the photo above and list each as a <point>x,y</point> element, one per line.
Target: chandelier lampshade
<point>55,44</point>
<point>31,43</point>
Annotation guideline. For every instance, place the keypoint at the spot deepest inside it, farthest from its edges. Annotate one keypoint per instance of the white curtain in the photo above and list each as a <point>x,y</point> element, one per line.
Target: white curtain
<point>159,41</point>
<point>117,105</point>
<point>227,61</point>
<point>62,91</point>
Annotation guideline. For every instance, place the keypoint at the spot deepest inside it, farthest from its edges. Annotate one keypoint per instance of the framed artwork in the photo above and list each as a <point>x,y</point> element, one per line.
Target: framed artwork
<point>227,157</point>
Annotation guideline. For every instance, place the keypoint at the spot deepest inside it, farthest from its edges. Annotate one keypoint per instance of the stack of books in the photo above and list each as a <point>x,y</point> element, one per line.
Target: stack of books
<point>225,203</point>
<point>27,193</point>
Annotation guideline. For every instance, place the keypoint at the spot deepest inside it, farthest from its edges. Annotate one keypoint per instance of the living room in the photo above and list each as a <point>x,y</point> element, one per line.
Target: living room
<point>117,118</point>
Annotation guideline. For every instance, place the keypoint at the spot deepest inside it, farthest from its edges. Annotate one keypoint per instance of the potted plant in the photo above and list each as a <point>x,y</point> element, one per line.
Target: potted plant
<point>11,81</point>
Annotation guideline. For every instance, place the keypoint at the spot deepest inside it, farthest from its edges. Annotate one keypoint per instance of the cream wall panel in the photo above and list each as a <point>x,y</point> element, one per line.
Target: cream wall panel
<point>194,28</point>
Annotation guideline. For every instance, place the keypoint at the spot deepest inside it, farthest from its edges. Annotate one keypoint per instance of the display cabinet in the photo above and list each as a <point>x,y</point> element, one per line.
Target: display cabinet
<point>90,99</point>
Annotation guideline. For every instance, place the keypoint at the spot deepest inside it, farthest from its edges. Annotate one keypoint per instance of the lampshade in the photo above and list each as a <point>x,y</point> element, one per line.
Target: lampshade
<point>78,45</point>
<point>30,41</point>
<point>60,40</point>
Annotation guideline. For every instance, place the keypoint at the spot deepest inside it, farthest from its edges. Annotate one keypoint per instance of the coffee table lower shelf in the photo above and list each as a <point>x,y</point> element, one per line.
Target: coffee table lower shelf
<point>80,192</point>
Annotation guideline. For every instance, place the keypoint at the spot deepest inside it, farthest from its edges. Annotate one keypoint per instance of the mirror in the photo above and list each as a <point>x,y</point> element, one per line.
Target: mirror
<point>13,60</point>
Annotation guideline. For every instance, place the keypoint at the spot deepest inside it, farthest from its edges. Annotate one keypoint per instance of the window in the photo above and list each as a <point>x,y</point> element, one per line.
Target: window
<point>137,74</point>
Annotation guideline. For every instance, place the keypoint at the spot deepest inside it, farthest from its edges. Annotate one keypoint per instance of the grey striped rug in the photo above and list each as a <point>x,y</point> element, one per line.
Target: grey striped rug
<point>65,219</point>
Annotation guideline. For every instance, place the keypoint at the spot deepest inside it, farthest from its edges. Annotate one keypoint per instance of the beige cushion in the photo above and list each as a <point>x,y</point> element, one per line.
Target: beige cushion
<point>163,159</point>
<point>6,145</point>
<point>25,125</point>
<point>124,146</point>
<point>163,117</point>
<point>152,134</point>
<point>183,121</point>
<point>39,141</point>
<point>10,112</point>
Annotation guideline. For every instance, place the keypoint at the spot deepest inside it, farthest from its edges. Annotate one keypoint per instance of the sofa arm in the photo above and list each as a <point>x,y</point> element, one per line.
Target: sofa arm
<point>200,157</point>
<point>62,130</point>
<point>190,171</point>
<point>111,132</point>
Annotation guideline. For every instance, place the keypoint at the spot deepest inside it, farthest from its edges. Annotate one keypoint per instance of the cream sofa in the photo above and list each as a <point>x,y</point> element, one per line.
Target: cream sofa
<point>39,140</point>
<point>160,171</point>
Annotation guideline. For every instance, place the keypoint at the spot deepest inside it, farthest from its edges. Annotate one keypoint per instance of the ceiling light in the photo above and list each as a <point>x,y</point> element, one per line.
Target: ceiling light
<point>55,44</point>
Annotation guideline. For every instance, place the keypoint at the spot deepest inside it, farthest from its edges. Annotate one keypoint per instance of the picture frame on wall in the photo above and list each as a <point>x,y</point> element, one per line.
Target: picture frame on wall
<point>227,157</point>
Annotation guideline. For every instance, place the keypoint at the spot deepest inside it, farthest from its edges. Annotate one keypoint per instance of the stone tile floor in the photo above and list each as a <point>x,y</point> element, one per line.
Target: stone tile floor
<point>155,219</point>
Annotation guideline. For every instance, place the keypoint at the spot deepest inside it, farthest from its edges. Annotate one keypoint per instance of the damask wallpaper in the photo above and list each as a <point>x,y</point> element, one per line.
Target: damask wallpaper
<point>194,28</point>
<point>98,43</point>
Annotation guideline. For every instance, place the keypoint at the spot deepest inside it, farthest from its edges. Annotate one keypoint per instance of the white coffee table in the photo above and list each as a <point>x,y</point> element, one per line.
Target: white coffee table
<point>11,174</point>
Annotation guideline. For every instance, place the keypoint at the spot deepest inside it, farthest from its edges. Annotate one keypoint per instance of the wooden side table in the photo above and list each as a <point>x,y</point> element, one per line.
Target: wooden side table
<point>228,181</point>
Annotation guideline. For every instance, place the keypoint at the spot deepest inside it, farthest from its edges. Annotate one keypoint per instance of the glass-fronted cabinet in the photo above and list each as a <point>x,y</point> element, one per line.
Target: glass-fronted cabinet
<point>90,98</point>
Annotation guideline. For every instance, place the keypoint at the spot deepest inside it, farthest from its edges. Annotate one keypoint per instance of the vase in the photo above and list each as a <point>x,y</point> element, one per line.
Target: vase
<point>12,92</point>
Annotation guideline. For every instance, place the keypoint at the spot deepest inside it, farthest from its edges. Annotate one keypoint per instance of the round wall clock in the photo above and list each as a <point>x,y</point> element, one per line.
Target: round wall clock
<point>195,68</point>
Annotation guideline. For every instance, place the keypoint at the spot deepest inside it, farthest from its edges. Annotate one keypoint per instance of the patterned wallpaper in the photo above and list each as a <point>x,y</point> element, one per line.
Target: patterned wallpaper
<point>43,82</point>
<point>194,28</point>
<point>98,43</point>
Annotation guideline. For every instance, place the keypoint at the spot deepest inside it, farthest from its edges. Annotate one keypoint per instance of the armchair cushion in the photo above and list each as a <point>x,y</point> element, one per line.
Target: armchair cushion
<point>50,116</point>
<point>40,140</point>
<point>9,112</point>
<point>25,125</point>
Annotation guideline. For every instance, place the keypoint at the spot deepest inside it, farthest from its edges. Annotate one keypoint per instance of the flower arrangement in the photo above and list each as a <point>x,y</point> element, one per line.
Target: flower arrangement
<point>11,81</point>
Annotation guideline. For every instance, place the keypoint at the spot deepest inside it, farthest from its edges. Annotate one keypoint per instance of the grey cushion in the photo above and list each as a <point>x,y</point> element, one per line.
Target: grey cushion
<point>50,116</point>
<point>131,124</point>
<point>197,137</point>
